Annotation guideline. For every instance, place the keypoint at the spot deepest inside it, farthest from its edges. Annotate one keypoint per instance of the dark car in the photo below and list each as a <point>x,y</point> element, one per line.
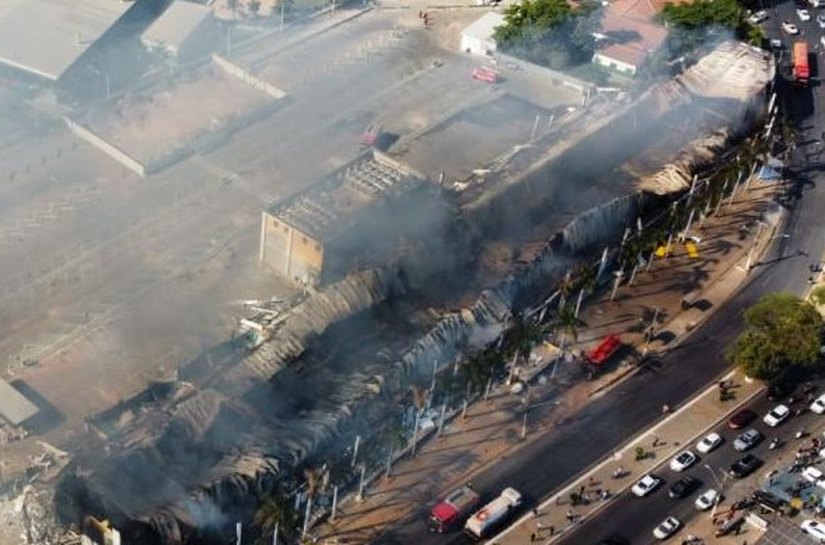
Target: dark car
<point>741,419</point>
<point>684,487</point>
<point>744,466</point>
<point>614,540</point>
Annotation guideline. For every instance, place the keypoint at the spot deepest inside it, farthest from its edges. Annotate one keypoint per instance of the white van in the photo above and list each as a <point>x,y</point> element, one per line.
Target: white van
<point>817,3</point>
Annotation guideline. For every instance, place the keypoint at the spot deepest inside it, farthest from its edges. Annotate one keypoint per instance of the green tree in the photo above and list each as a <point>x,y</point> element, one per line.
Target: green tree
<point>703,22</point>
<point>781,330</point>
<point>550,32</point>
<point>567,322</point>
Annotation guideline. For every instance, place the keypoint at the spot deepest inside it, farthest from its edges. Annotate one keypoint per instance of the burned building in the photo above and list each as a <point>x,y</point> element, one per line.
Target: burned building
<point>352,219</point>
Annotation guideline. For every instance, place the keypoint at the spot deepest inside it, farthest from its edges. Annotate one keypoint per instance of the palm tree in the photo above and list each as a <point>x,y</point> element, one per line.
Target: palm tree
<point>567,321</point>
<point>276,511</point>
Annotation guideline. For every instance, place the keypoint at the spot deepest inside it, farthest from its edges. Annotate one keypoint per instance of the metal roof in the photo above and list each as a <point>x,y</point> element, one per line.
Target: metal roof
<point>177,23</point>
<point>45,37</point>
<point>14,406</point>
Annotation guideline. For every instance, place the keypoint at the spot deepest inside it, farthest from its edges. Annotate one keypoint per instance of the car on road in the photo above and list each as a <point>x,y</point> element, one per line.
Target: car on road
<point>814,529</point>
<point>803,15</point>
<point>744,466</point>
<point>709,442</point>
<point>684,487</point>
<point>776,44</point>
<point>747,440</point>
<point>683,461</point>
<point>707,499</point>
<point>667,528</point>
<point>758,17</point>
<point>741,419</point>
<point>812,474</point>
<point>790,28</point>
<point>822,40</point>
<point>646,485</point>
<point>777,415</point>
<point>818,405</point>
<point>820,20</point>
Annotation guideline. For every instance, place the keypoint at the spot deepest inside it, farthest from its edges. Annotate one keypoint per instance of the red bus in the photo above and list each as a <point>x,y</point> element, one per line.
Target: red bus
<point>801,69</point>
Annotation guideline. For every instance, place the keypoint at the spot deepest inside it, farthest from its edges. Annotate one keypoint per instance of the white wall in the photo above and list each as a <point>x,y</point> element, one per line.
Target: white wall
<point>614,64</point>
<point>476,46</point>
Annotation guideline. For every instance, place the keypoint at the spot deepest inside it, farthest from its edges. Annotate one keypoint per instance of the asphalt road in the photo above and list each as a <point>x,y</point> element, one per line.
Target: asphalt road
<point>634,518</point>
<point>543,466</point>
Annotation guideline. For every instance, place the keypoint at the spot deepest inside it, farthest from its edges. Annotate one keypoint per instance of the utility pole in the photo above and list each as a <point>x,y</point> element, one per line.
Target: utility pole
<point>283,4</point>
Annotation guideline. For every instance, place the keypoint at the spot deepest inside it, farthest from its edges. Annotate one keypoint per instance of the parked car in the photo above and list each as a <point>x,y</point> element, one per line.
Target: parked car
<point>803,15</point>
<point>758,17</point>
<point>683,461</point>
<point>741,419</point>
<point>814,529</point>
<point>707,499</point>
<point>777,415</point>
<point>667,528</point>
<point>747,440</point>
<point>744,466</point>
<point>818,405</point>
<point>709,442</point>
<point>646,485</point>
<point>820,20</point>
<point>684,487</point>
<point>812,474</point>
<point>790,28</point>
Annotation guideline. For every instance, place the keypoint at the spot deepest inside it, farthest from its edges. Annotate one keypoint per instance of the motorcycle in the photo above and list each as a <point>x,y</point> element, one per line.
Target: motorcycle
<point>801,434</point>
<point>774,444</point>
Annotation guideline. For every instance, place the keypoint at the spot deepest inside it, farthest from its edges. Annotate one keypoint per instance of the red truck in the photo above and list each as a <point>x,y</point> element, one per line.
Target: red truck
<point>453,509</point>
<point>603,352</point>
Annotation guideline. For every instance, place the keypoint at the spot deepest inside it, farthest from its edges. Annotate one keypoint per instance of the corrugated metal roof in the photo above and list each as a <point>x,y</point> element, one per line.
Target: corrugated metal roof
<point>177,23</point>
<point>14,406</point>
<point>45,37</point>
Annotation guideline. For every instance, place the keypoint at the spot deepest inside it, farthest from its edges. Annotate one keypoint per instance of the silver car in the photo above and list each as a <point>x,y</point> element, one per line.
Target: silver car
<point>747,440</point>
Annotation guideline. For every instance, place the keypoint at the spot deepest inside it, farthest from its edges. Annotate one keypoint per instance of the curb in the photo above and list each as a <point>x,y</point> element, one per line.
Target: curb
<point>702,319</point>
<point>570,484</point>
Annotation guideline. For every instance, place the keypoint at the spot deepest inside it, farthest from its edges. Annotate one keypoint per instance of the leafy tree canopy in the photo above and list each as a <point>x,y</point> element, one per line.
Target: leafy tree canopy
<point>705,22</point>
<point>550,32</point>
<point>781,330</point>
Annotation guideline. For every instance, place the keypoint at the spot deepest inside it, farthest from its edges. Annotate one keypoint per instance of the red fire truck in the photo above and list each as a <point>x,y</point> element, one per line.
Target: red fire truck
<point>801,69</point>
<point>487,75</point>
<point>453,509</point>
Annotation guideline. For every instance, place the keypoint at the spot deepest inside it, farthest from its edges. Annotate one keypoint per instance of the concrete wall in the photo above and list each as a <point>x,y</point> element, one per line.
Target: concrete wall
<point>109,149</point>
<point>614,64</point>
<point>248,78</point>
<point>290,252</point>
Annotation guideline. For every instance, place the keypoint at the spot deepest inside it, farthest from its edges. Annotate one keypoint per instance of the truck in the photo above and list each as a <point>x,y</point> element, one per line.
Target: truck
<point>453,509</point>
<point>493,515</point>
<point>801,69</point>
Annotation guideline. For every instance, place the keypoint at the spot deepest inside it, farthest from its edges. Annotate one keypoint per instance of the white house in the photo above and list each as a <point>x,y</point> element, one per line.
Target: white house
<point>477,38</point>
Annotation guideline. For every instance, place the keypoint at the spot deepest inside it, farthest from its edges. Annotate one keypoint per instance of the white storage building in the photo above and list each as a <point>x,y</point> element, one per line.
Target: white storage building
<point>477,39</point>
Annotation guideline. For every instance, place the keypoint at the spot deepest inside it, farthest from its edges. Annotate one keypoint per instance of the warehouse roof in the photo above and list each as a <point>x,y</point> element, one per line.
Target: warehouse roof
<point>177,23</point>
<point>14,406</point>
<point>732,70</point>
<point>484,27</point>
<point>328,207</point>
<point>45,37</point>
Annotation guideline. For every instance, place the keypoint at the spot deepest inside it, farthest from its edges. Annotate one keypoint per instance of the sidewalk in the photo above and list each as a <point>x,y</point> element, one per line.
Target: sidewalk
<point>493,429</point>
<point>676,432</point>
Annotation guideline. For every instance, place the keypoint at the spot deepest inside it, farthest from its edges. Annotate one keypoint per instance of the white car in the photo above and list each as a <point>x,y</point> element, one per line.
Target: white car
<point>812,474</point>
<point>683,461</point>
<point>777,415</point>
<point>803,15</point>
<point>710,442</point>
<point>646,485</point>
<point>758,17</point>
<point>822,40</point>
<point>818,405</point>
<point>820,20</point>
<point>667,528</point>
<point>707,499</point>
<point>790,28</point>
<point>814,529</point>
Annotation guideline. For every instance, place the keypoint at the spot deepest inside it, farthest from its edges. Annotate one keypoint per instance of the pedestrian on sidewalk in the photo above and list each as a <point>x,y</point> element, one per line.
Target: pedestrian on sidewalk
<point>533,537</point>
<point>570,516</point>
<point>536,512</point>
<point>552,530</point>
